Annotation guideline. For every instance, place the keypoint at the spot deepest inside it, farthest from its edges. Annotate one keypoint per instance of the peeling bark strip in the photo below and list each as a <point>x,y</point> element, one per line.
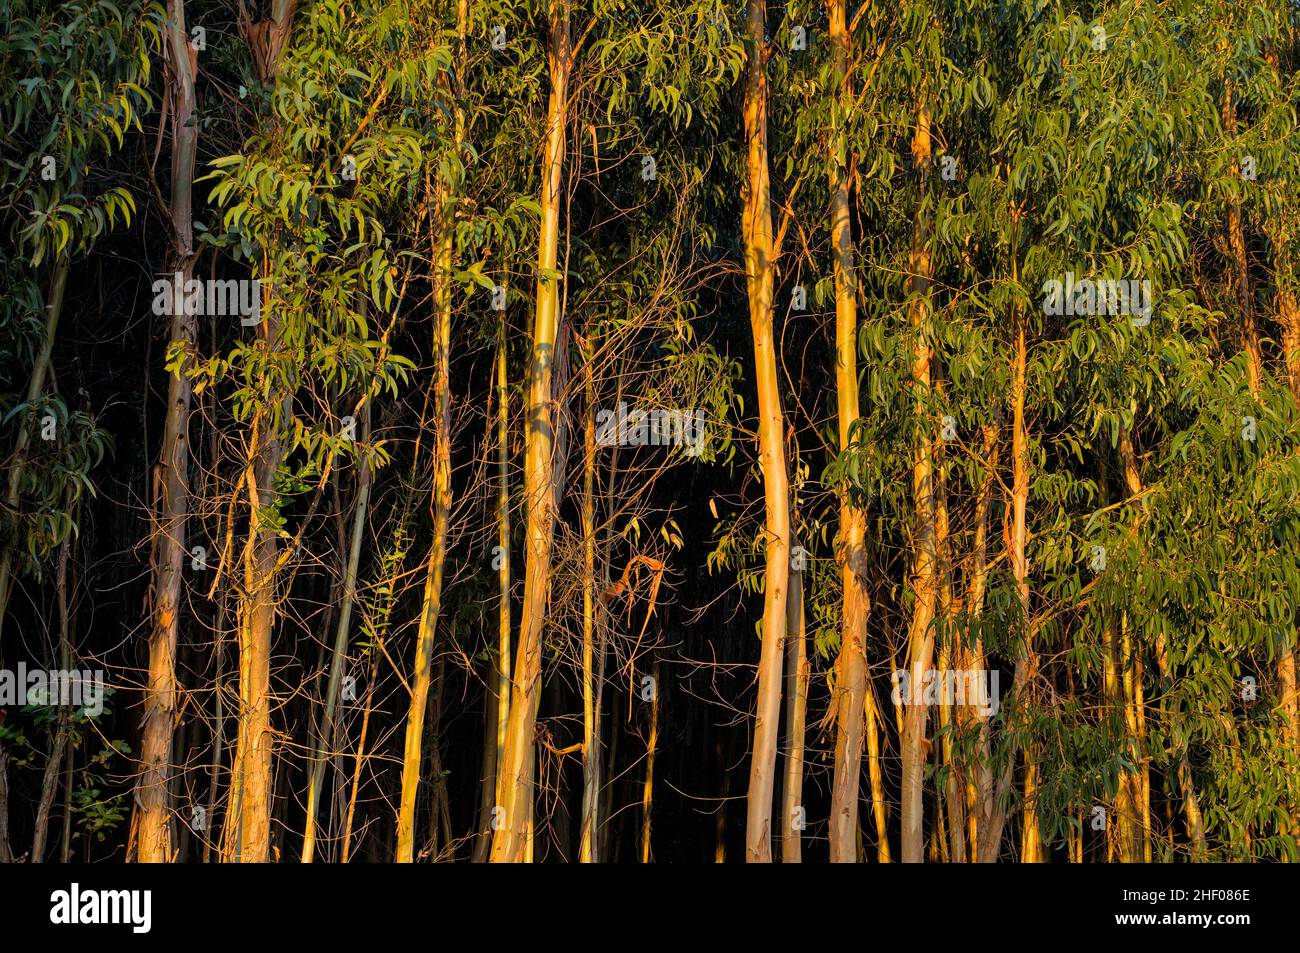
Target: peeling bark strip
<point>152,794</point>
<point>511,839</point>
<point>760,260</point>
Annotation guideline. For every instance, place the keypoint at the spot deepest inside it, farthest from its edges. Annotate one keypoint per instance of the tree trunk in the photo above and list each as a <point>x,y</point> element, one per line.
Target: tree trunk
<point>248,820</point>
<point>153,796</point>
<point>851,667</point>
<point>760,254</point>
<point>797,677</point>
<point>510,841</point>
<point>432,598</point>
<point>920,650</point>
<point>339,652</point>
<point>588,849</point>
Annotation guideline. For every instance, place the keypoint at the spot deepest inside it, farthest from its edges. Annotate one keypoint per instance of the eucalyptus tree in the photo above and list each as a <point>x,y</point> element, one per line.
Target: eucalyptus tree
<point>74,77</point>
<point>314,203</point>
<point>181,67</point>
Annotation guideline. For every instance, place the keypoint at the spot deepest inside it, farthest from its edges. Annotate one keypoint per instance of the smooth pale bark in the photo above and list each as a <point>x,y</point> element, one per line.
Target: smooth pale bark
<point>152,794</point>
<point>979,782</point>
<point>248,818</point>
<point>876,773</point>
<point>760,254</point>
<point>325,739</point>
<point>1018,556</point>
<point>499,681</point>
<point>413,750</point>
<point>920,640</point>
<point>588,847</point>
<point>1016,539</point>
<point>851,665</point>
<point>511,840</point>
<point>797,676</point>
<point>503,542</point>
<point>954,804</point>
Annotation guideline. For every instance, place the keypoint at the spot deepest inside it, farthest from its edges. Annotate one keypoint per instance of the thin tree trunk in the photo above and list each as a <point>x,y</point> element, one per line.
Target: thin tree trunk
<point>760,254</point>
<point>797,676</point>
<point>1018,544</point>
<point>511,840</point>
<point>851,685</point>
<point>875,771</point>
<point>340,648</point>
<point>920,649</point>
<point>948,652</point>
<point>50,780</point>
<point>647,792</point>
<point>588,846</point>
<point>248,821</point>
<point>154,829</point>
<point>432,598</point>
<point>979,784</point>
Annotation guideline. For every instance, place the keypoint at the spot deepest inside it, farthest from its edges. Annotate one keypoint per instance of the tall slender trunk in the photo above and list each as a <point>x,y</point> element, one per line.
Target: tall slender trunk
<point>876,774</point>
<point>1018,556</point>
<point>949,653</point>
<point>499,681</point>
<point>920,643</point>
<point>338,653</point>
<point>1016,539</point>
<point>510,843</point>
<point>50,781</point>
<point>248,821</point>
<point>797,676</point>
<point>647,790</point>
<point>852,665</point>
<point>760,253</point>
<point>154,833</point>
<point>413,751</point>
<point>979,782</point>
<point>588,849</point>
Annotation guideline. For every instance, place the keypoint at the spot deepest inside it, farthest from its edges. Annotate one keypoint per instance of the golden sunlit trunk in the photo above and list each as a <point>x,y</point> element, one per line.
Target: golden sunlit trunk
<point>920,640</point>
<point>510,841</point>
<point>852,666</point>
<point>759,279</point>
<point>797,675</point>
<point>154,832</point>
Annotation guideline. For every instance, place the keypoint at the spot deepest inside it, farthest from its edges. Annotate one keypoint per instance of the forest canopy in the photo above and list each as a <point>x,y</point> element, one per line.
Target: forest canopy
<point>615,431</point>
